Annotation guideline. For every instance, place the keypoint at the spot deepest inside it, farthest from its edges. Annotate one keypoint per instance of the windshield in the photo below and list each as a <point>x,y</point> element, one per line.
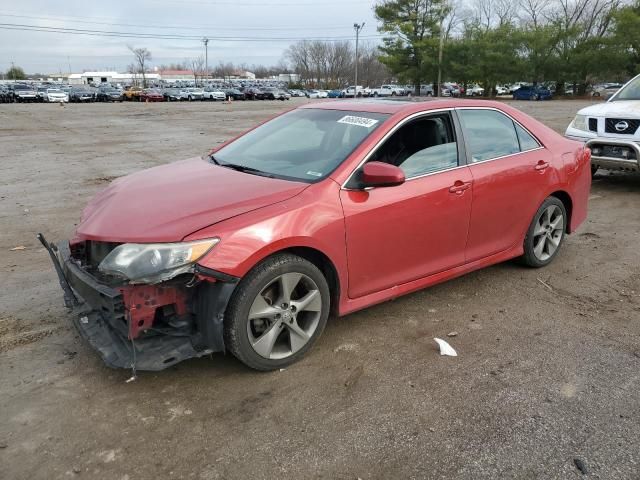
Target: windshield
<point>54,90</point>
<point>305,144</point>
<point>630,92</point>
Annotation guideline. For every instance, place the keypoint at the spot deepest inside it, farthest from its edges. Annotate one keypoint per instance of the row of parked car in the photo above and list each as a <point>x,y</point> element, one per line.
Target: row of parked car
<point>24,92</point>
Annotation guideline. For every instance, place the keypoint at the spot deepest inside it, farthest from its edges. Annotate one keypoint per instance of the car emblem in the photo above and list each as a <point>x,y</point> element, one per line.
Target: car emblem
<point>621,126</point>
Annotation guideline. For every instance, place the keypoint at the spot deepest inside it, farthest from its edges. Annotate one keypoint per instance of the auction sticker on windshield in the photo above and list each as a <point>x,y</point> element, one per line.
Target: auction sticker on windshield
<point>360,121</point>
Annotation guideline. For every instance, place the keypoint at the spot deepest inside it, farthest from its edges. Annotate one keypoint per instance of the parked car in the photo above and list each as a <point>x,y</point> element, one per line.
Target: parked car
<point>55,95</point>
<point>6,95</point>
<point>253,93</point>
<point>109,94</point>
<point>611,130</point>
<point>426,90</point>
<point>532,92</point>
<point>195,93</point>
<point>132,93</point>
<point>235,94</point>
<point>173,94</point>
<point>296,93</point>
<point>82,94</point>
<point>271,93</point>
<point>352,91</point>
<point>501,90</point>
<point>475,91</point>
<point>605,90</point>
<point>151,95</point>
<point>212,93</point>
<point>515,86</point>
<point>249,249</point>
<point>40,93</point>
<point>334,94</point>
<point>386,91</point>
<point>23,92</point>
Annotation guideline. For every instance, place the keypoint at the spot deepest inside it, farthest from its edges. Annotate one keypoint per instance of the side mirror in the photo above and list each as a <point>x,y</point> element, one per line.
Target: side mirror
<point>379,174</point>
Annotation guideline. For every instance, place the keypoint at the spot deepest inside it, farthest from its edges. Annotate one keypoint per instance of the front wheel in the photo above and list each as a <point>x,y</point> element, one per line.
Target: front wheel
<point>546,233</point>
<point>277,312</point>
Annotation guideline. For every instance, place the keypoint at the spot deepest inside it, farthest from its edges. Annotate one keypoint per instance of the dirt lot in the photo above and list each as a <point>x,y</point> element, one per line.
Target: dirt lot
<point>548,372</point>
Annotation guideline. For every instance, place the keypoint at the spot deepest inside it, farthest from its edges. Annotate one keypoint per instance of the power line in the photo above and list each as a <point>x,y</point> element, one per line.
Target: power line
<point>161,36</point>
<point>91,21</point>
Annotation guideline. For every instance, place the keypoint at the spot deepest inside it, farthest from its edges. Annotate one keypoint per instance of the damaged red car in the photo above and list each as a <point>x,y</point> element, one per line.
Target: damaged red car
<point>323,210</point>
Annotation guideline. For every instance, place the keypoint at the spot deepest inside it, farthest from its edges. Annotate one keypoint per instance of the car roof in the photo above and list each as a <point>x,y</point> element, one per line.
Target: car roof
<point>401,106</point>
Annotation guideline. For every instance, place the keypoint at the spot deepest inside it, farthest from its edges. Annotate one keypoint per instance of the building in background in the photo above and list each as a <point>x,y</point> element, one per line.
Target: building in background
<point>87,78</point>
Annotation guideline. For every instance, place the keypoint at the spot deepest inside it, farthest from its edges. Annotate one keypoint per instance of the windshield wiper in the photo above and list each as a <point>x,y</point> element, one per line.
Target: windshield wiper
<point>244,169</point>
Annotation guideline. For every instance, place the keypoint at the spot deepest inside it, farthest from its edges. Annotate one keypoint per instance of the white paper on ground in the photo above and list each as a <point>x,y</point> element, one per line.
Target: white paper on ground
<point>445,348</point>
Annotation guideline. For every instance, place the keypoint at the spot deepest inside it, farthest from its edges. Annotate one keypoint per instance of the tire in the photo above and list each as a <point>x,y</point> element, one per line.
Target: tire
<point>271,342</point>
<point>594,170</point>
<point>375,94</point>
<point>545,234</point>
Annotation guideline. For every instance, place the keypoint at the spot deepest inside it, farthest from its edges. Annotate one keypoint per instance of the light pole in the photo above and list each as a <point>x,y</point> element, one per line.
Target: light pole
<point>357,28</point>
<point>205,40</point>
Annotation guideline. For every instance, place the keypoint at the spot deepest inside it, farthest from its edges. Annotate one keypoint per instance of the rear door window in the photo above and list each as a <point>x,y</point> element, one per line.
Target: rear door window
<point>489,134</point>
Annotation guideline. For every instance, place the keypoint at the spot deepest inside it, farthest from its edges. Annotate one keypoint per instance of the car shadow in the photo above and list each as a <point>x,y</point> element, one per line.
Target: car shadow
<point>616,181</point>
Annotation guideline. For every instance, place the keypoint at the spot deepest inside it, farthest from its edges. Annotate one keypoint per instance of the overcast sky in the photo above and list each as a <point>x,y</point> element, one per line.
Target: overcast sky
<point>267,28</point>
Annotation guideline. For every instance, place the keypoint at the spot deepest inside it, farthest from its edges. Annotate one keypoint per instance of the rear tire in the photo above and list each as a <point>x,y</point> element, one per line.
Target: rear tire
<point>546,233</point>
<point>277,312</point>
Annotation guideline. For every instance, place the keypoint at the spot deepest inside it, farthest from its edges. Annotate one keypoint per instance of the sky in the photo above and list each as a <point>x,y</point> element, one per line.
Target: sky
<point>256,31</point>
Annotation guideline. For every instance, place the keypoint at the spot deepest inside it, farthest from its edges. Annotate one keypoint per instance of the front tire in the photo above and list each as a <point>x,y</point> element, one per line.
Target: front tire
<point>546,233</point>
<point>277,312</point>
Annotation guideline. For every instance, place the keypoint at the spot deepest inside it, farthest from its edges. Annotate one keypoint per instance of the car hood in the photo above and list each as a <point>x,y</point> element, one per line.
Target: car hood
<point>167,203</point>
<point>622,109</point>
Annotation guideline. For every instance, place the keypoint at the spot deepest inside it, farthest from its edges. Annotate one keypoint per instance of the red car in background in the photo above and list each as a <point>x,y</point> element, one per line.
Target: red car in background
<point>326,209</point>
<point>151,95</point>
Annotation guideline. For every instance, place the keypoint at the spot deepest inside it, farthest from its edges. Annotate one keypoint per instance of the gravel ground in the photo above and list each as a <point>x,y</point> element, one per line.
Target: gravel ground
<point>546,380</point>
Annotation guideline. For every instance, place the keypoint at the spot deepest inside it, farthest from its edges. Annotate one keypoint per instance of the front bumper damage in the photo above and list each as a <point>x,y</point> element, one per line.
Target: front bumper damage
<point>144,327</point>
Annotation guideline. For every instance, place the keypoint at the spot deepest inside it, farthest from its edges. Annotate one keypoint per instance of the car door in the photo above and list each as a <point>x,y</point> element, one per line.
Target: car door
<point>398,234</point>
<point>511,172</point>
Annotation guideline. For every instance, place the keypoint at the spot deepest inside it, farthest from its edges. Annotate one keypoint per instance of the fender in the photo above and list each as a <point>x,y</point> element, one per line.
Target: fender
<point>312,219</point>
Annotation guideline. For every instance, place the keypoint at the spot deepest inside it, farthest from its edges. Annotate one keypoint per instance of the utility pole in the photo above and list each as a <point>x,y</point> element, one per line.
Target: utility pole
<point>205,40</point>
<point>357,28</point>
<point>440,49</point>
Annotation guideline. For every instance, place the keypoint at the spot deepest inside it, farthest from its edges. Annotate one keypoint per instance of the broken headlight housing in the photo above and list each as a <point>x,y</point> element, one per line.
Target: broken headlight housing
<point>154,262</point>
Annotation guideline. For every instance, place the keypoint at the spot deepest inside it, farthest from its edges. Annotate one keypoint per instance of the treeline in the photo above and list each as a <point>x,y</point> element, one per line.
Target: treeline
<point>332,64</point>
<point>498,41</point>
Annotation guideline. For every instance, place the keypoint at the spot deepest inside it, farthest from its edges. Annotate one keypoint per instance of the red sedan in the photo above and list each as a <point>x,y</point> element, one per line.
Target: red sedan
<point>324,210</point>
<point>151,95</point>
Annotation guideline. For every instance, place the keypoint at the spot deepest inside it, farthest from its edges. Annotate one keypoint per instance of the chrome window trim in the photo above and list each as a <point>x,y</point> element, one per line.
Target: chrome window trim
<point>387,135</point>
<point>540,145</point>
<point>440,110</point>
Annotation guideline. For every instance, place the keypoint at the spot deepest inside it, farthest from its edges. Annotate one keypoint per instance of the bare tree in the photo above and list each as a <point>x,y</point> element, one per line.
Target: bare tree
<point>142,57</point>
<point>197,68</point>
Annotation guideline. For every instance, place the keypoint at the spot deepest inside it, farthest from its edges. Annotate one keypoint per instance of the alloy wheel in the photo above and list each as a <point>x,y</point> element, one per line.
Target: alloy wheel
<point>548,233</point>
<point>284,316</point>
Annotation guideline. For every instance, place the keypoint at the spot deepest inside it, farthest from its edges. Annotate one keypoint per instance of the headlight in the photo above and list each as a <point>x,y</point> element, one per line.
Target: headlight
<point>580,122</point>
<point>154,262</point>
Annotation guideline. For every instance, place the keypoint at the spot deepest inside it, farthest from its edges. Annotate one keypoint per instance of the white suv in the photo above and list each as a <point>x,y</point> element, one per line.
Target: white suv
<point>611,130</point>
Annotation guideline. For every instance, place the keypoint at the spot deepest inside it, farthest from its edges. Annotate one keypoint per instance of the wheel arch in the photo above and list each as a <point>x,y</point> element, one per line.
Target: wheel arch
<point>323,263</point>
<point>567,201</point>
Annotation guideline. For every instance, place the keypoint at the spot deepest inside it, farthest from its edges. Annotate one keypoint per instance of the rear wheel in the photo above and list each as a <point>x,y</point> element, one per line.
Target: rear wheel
<point>277,312</point>
<point>546,233</point>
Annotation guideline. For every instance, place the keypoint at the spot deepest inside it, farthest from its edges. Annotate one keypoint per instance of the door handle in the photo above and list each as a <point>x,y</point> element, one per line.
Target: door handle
<point>541,165</point>
<point>459,187</point>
